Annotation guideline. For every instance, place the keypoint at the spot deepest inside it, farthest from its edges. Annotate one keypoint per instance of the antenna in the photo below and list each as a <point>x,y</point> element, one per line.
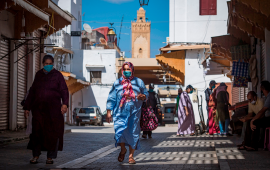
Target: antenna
<point>83,17</point>
<point>87,28</point>
<point>120,30</point>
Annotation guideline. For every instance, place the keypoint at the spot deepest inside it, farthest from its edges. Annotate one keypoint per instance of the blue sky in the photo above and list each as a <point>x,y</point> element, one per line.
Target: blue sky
<point>101,12</point>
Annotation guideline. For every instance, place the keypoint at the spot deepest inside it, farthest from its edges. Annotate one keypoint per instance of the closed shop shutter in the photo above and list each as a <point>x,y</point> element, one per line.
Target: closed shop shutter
<point>37,33</point>
<point>22,85</point>
<point>4,85</point>
<point>263,61</point>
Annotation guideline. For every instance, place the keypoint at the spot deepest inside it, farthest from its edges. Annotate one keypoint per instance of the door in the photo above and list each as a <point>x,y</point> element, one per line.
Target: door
<point>4,85</point>
<point>22,85</point>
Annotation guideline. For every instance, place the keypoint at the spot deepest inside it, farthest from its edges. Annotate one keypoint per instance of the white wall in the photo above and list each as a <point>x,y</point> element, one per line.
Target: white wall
<point>95,94</point>
<point>194,75</point>
<point>187,25</point>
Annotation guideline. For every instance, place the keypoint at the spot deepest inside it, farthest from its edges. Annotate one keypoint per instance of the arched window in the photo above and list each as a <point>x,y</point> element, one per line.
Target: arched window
<point>140,50</point>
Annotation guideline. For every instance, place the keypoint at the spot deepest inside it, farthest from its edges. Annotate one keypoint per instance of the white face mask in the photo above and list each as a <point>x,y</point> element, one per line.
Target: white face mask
<point>253,102</point>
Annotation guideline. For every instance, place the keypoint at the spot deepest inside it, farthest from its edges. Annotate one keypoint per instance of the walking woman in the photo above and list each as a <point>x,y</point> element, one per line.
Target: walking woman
<point>186,119</point>
<point>125,100</point>
<point>213,125</point>
<point>48,100</point>
<point>222,115</point>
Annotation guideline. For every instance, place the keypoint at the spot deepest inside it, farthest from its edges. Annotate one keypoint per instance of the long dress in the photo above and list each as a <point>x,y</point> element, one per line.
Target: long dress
<point>222,106</point>
<point>186,124</point>
<point>126,118</point>
<point>213,127</point>
<point>46,96</point>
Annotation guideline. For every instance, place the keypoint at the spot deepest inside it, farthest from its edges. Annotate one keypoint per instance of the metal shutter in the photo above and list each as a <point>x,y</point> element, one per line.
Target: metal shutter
<point>37,33</point>
<point>4,85</point>
<point>243,94</point>
<point>263,61</point>
<point>22,85</point>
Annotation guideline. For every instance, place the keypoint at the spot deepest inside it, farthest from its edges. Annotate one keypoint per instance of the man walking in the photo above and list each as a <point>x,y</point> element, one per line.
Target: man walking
<point>208,92</point>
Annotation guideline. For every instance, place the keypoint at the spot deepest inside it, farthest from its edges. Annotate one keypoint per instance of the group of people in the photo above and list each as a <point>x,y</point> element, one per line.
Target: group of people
<point>217,105</point>
<point>48,100</point>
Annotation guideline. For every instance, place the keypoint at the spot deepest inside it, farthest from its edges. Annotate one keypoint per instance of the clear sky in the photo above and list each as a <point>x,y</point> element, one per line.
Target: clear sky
<point>99,13</point>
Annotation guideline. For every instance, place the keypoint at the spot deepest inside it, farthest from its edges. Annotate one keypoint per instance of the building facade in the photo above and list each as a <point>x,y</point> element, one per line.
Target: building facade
<point>141,30</point>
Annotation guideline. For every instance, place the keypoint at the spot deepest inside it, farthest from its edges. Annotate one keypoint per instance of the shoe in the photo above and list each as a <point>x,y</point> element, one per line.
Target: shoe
<point>34,160</point>
<point>144,136</point>
<point>49,161</point>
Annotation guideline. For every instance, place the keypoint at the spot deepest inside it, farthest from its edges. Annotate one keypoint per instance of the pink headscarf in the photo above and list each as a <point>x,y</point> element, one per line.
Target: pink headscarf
<point>127,87</point>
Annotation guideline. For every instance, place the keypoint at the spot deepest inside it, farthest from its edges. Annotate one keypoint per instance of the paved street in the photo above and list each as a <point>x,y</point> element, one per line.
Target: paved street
<point>93,148</point>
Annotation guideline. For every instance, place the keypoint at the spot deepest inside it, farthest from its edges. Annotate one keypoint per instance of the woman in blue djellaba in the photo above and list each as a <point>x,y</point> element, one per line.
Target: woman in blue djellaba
<point>125,100</point>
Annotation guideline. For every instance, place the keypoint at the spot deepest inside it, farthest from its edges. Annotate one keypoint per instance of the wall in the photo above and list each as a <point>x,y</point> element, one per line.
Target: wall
<point>199,28</point>
<point>195,77</point>
<point>95,94</point>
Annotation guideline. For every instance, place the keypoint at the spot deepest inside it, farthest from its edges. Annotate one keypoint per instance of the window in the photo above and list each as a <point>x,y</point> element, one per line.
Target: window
<point>140,50</point>
<point>208,7</point>
<point>95,77</point>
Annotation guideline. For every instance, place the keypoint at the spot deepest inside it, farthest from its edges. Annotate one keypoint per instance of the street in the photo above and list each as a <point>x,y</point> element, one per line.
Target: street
<point>92,147</point>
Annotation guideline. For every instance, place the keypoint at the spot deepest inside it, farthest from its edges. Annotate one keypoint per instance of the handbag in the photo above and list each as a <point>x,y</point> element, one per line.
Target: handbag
<point>149,121</point>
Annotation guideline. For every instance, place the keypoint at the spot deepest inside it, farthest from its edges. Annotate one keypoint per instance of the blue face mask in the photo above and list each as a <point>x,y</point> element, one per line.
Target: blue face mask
<point>213,86</point>
<point>191,92</point>
<point>127,74</point>
<point>48,68</point>
<point>151,90</point>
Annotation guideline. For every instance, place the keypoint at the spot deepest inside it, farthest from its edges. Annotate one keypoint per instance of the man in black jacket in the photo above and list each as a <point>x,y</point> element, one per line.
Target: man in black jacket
<point>155,104</point>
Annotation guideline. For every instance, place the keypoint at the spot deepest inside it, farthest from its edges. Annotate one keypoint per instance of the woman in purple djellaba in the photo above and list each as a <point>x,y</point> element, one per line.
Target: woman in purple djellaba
<point>48,100</point>
<point>186,119</point>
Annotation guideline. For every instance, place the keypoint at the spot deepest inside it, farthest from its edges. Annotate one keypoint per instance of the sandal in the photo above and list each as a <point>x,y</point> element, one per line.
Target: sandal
<point>49,161</point>
<point>193,134</point>
<point>121,157</point>
<point>252,149</point>
<point>144,136</point>
<point>131,161</point>
<point>149,137</point>
<point>34,160</point>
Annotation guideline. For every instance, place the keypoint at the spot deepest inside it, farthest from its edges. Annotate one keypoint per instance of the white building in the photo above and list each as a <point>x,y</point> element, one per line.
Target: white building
<point>194,22</point>
<point>98,67</point>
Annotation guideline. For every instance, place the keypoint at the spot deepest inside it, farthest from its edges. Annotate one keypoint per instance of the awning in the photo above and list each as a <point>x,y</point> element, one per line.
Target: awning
<point>59,18</point>
<point>175,62</point>
<point>74,84</point>
<point>262,6</point>
<point>94,66</point>
<point>62,50</point>
<point>34,16</point>
<point>184,47</point>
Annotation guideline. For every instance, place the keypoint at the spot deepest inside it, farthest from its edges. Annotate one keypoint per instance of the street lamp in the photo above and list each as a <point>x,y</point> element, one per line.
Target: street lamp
<point>111,34</point>
<point>143,2</point>
<point>121,61</point>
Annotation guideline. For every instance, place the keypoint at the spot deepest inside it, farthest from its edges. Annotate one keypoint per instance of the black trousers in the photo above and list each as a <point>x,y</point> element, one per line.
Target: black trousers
<point>149,133</point>
<point>207,123</point>
<point>50,154</point>
<point>255,135</point>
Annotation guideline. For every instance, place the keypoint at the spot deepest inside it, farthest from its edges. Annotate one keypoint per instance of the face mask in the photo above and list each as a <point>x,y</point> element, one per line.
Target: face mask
<point>151,90</point>
<point>253,102</point>
<point>213,87</point>
<point>127,74</point>
<point>191,92</point>
<point>48,68</point>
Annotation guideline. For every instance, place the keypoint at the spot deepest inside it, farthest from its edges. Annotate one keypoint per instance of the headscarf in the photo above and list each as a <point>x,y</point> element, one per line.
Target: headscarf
<point>220,88</point>
<point>127,87</point>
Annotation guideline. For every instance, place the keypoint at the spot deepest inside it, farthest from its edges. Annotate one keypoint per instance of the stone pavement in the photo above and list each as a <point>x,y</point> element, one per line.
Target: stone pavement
<point>93,148</point>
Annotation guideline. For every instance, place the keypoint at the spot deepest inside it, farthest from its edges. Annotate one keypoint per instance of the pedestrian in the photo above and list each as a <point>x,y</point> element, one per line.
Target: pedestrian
<point>186,119</point>
<point>180,91</point>
<point>154,102</point>
<point>208,92</point>
<point>48,101</point>
<point>222,115</point>
<point>213,125</point>
<point>125,100</point>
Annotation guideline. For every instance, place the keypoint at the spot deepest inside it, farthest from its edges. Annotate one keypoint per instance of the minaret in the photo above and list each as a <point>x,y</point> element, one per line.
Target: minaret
<point>141,36</point>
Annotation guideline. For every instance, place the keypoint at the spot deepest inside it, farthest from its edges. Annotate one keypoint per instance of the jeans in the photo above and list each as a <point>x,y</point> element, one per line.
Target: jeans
<point>224,126</point>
